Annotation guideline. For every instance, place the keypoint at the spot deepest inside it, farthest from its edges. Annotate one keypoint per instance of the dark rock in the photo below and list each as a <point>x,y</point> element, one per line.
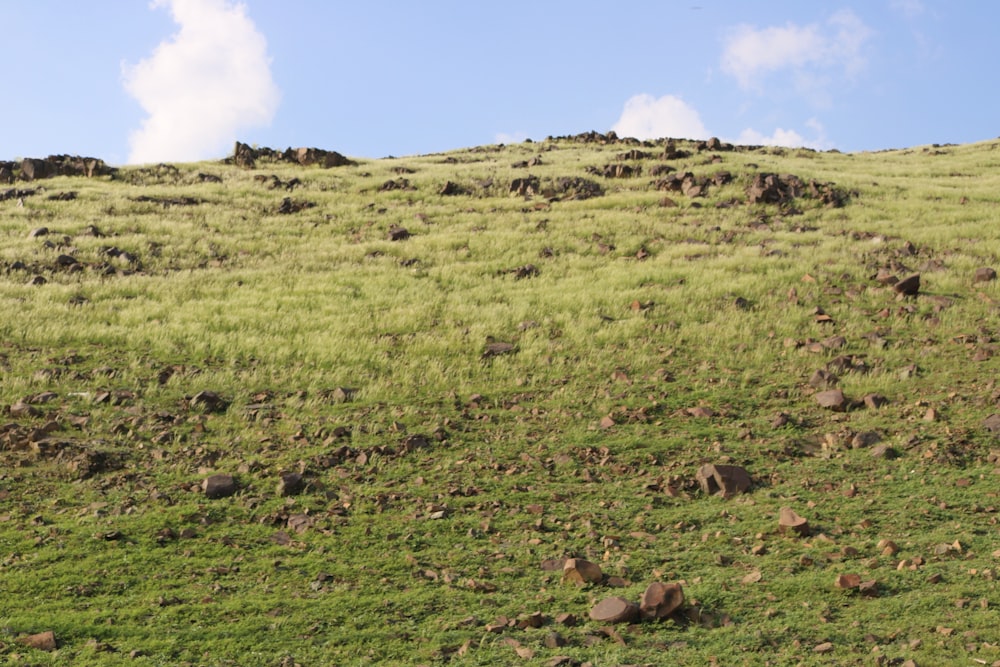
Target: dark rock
<point>725,480</point>
<point>38,231</point>
<point>397,233</point>
<point>823,379</point>
<point>209,401</point>
<point>908,286</point>
<point>219,486</point>
<point>984,275</point>
<point>290,484</point>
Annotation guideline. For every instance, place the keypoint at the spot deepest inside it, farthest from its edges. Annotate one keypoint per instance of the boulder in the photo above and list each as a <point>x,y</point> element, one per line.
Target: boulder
<point>984,275</point>
<point>660,600</point>
<point>832,399</point>
<point>614,610</point>
<point>725,480</point>
<point>790,522</point>
<point>908,286</point>
<point>219,486</point>
<point>580,571</point>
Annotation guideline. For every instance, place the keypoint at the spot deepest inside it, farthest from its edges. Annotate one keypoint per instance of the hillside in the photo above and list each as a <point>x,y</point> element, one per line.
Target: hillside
<point>298,409</point>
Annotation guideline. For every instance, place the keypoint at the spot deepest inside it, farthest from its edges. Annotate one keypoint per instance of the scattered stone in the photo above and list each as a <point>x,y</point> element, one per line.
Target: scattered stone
<point>725,480</point>
<point>883,451</point>
<point>497,348</point>
<point>567,619</point>
<point>290,484</point>
<point>789,521</point>
<point>908,286</point>
<point>992,424</point>
<point>984,275</point>
<point>580,572</point>
<point>832,399</point>
<point>554,640</point>
<point>865,439</point>
<point>219,486</point>
<point>660,600</point>
<point>847,581</point>
<point>43,641</point>
<point>875,401</point>
<point>22,409</point>
<point>37,232</point>
<point>825,647</point>
<point>397,233</point>
<point>614,610</point>
<point>209,401</point>
<point>823,379</point>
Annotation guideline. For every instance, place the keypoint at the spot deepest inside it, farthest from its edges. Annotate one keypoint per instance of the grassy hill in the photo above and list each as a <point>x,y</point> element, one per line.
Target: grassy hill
<point>294,415</point>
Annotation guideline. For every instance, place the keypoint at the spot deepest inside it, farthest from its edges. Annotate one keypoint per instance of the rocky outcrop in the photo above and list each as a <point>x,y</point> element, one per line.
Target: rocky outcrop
<point>246,156</point>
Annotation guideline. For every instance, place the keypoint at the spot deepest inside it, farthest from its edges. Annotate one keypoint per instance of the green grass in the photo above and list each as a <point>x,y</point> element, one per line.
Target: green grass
<point>406,554</point>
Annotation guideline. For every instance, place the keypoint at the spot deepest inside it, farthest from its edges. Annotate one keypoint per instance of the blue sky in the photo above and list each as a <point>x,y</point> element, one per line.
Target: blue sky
<point>132,81</point>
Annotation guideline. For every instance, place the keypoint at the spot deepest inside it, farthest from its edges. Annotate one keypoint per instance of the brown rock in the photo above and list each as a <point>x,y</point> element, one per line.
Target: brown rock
<point>984,275</point>
<point>865,439</point>
<point>43,641</point>
<point>823,379</point>
<point>22,409</point>
<point>875,401</point>
<point>615,610</point>
<point>992,424</point>
<point>832,399</point>
<point>845,581</point>
<point>825,647</point>
<point>726,480</point>
<point>290,484</point>
<point>580,571</point>
<point>554,640</point>
<point>660,600</point>
<point>789,521</point>
<point>908,286</point>
<point>219,486</point>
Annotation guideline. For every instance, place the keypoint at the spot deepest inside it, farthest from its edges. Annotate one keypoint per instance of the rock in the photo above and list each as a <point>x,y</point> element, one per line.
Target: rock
<point>397,233</point>
<point>22,409</point>
<point>43,641</point>
<point>847,581</point>
<point>497,348</point>
<point>209,401</point>
<point>825,647</point>
<point>554,640</point>
<point>992,424</point>
<point>984,275</point>
<point>832,399</point>
<point>614,610</point>
<point>38,231</point>
<point>219,486</point>
<point>908,286</point>
<point>726,480</point>
<point>580,571</point>
<point>874,401</point>
<point>660,600</point>
<point>290,484</point>
<point>789,521</point>
<point>823,379</point>
<point>865,439</point>
<point>883,451</point>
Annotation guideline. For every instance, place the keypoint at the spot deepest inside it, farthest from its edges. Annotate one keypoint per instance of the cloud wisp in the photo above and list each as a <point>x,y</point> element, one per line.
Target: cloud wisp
<point>209,81</point>
<point>810,53</point>
<point>648,117</point>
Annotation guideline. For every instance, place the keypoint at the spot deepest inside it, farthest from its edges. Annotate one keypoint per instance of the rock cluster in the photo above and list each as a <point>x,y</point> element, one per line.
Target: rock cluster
<point>246,156</point>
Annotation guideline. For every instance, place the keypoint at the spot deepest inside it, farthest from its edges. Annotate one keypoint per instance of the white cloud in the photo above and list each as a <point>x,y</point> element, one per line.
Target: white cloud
<point>647,117</point>
<point>908,8</point>
<point>208,82</point>
<point>787,138</point>
<point>809,52</point>
<point>509,137</point>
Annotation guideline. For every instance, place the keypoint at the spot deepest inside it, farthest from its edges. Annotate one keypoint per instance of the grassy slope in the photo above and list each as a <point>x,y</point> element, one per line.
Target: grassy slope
<point>282,310</point>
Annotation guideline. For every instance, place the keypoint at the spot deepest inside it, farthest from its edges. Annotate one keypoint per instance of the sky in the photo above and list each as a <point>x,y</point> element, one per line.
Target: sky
<point>134,82</point>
